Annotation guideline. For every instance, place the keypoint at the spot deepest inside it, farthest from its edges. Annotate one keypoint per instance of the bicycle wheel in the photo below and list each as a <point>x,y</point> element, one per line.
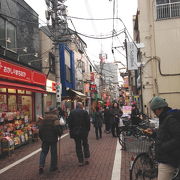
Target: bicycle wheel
<point>121,139</point>
<point>143,168</point>
<point>176,175</point>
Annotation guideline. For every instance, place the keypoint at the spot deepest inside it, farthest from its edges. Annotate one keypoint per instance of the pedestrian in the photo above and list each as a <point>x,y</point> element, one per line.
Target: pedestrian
<point>98,121</point>
<point>135,119</point>
<point>107,117</point>
<point>116,114</point>
<point>167,149</point>
<point>49,131</point>
<point>79,126</point>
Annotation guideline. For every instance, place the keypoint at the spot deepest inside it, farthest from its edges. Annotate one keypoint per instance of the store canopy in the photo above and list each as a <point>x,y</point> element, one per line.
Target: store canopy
<point>4,84</point>
<point>80,94</point>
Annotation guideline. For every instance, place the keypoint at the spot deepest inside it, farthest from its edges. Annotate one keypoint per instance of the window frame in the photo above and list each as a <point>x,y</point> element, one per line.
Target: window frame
<point>5,34</point>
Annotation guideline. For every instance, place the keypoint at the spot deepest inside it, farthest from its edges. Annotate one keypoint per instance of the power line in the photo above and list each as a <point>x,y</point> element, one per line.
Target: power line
<point>92,37</point>
<point>113,30</point>
<point>105,19</point>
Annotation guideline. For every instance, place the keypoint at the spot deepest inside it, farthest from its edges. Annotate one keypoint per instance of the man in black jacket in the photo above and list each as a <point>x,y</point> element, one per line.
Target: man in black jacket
<point>49,131</point>
<point>79,126</point>
<point>168,138</point>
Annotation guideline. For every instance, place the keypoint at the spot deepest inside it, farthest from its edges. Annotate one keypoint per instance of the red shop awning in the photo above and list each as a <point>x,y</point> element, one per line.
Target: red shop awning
<point>11,85</point>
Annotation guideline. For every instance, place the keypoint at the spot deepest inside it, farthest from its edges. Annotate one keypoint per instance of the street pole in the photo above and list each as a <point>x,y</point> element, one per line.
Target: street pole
<point>57,12</point>
<point>57,58</point>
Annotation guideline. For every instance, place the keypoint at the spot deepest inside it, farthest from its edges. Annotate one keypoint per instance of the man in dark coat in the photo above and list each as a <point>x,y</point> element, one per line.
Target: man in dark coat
<point>135,115</point>
<point>98,122</point>
<point>107,117</point>
<point>79,126</point>
<point>49,131</point>
<point>168,138</point>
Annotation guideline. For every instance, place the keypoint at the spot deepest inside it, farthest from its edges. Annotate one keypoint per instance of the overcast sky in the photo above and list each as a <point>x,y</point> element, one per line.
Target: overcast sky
<point>124,9</point>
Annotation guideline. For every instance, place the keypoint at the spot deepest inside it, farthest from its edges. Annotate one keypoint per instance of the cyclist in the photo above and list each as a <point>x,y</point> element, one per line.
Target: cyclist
<point>168,138</point>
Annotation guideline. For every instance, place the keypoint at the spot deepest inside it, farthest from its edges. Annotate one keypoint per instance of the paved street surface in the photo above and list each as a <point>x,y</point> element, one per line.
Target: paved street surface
<point>100,167</point>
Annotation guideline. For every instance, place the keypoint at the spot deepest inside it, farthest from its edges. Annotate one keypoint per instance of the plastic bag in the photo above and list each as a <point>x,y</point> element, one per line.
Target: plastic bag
<point>62,121</point>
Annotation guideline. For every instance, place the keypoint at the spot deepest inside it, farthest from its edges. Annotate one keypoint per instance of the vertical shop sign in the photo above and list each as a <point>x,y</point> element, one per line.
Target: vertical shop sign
<point>132,56</point>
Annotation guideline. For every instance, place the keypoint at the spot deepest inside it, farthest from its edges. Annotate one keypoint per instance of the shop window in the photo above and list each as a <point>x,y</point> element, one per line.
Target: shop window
<point>3,103</point>
<point>28,92</point>
<point>25,106</point>
<point>7,34</point>
<point>11,90</point>
<point>21,91</point>
<point>3,90</point>
<point>12,105</point>
<point>11,35</point>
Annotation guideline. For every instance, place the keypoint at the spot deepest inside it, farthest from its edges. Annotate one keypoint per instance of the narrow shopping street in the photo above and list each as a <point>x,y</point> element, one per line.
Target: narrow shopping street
<point>100,167</point>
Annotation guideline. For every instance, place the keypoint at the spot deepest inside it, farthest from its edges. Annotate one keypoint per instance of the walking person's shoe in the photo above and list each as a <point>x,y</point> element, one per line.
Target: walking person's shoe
<point>81,164</point>
<point>53,169</point>
<point>41,170</point>
<point>86,162</point>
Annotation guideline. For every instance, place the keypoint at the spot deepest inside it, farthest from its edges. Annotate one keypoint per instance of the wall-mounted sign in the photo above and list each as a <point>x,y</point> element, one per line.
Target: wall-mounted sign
<point>20,73</point>
<point>86,87</point>
<point>132,56</point>
<point>50,86</point>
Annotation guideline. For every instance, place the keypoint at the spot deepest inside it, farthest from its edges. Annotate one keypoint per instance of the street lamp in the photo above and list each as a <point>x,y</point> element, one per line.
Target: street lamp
<point>23,49</point>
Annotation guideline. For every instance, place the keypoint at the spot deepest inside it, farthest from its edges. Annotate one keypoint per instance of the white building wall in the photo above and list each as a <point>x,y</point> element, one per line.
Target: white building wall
<point>162,40</point>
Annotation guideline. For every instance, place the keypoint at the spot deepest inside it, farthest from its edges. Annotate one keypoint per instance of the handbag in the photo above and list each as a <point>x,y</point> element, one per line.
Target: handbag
<point>62,121</point>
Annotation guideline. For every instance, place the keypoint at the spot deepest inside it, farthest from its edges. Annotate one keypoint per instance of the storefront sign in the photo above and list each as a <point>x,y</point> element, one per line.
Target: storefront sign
<point>19,73</point>
<point>50,86</point>
<point>132,56</point>
<point>93,88</point>
<point>126,109</point>
<point>86,87</point>
<point>92,77</point>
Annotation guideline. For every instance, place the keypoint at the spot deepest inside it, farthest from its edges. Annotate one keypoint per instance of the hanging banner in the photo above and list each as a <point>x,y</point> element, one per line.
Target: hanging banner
<point>132,56</point>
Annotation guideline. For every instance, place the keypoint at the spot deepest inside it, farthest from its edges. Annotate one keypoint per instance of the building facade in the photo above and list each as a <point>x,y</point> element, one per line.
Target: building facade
<point>22,83</point>
<point>157,26</point>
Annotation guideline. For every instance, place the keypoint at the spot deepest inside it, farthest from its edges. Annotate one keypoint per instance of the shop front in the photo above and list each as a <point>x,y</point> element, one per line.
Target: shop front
<point>21,91</point>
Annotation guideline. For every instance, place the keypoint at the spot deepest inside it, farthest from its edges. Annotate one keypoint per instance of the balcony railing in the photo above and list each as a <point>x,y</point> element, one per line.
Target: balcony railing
<point>168,10</point>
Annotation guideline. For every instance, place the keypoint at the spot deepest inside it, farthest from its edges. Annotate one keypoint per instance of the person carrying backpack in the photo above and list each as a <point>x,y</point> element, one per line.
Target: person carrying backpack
<point>167,149</point>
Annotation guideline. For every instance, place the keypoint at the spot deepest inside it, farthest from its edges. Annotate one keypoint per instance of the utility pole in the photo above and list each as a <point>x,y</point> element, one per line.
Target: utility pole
<point>57,13</point>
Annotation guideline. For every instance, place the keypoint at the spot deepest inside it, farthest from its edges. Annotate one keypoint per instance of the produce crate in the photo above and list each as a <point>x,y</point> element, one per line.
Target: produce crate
<point>7,145</point>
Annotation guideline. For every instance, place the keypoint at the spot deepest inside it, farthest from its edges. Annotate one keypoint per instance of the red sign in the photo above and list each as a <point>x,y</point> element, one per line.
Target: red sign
<point>93,88</point>
<point>92,77</point>
<point>19,73</point>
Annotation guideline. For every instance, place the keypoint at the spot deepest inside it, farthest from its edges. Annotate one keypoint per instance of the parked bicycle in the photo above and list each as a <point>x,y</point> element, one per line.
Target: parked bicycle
<point>145,166</point>
<point>131,130</point>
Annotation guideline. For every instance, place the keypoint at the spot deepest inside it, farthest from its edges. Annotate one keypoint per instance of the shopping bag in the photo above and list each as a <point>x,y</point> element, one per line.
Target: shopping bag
<point>62,121</point>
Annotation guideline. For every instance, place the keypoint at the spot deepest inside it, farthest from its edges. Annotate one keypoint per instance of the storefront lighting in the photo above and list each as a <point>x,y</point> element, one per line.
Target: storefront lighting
<point>36,60</point>
<point>8,40</point>
<point>29,54</point>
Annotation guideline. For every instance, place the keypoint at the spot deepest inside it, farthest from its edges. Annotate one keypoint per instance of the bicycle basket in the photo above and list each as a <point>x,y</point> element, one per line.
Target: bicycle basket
<point>136,145</point>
